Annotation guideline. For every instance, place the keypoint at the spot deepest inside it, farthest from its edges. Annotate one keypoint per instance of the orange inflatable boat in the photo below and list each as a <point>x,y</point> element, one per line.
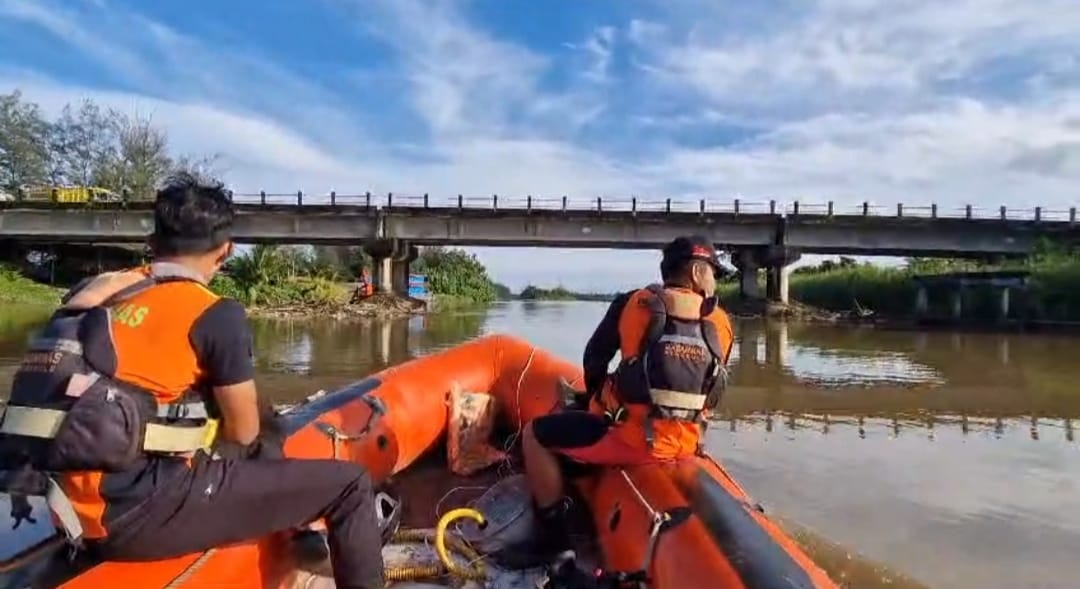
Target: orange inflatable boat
<point>689,524</point>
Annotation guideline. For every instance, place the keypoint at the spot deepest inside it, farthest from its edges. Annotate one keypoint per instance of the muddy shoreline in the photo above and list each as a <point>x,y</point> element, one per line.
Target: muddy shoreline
<point>378,306</point>
<point>797,312</point>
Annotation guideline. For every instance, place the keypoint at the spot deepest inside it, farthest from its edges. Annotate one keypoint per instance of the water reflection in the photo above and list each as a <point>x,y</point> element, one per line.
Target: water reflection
<point>949,456</point>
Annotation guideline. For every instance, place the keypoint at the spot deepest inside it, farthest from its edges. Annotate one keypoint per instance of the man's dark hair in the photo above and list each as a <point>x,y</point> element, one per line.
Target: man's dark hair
<point>190,216</point>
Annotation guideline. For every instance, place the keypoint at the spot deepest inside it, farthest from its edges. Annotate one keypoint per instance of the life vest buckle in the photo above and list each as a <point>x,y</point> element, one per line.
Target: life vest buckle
<point>616,416</point>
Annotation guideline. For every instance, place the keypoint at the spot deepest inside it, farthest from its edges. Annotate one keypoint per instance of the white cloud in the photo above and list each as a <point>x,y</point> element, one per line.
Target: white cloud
<point>973,101</point>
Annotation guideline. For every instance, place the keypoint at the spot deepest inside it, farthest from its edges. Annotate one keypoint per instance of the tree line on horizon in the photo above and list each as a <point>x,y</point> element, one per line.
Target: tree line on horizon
<point>87,145</point>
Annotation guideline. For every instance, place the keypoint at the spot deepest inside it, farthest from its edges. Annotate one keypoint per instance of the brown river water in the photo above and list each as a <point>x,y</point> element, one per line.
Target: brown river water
<point>900,458</point>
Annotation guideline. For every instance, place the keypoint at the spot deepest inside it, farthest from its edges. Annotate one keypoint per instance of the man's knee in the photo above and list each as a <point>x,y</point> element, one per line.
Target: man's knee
<point>571,429</point>
<point>356,476</point>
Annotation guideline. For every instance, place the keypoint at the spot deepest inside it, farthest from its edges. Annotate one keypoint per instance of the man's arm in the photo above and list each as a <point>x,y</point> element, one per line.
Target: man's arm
<point>602,346</point>
<point>222,340</point>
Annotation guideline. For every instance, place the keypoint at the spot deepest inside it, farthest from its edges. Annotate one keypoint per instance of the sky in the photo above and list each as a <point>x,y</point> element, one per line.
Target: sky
<point>913,101</point>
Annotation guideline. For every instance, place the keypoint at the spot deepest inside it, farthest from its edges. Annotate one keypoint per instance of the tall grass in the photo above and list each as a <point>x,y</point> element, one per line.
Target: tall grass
<point>18,289</point>
<point>1053,292</point>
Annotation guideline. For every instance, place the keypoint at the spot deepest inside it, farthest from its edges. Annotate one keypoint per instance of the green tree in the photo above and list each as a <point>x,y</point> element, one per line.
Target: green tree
<point>82,144</point>
<point>142,160</point>
<point>503,292</point>
<point>455,272</point>
<point>24,143</point>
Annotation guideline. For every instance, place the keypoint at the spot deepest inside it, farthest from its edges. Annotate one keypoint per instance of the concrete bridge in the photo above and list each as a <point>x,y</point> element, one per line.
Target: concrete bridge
<point>758,235</point>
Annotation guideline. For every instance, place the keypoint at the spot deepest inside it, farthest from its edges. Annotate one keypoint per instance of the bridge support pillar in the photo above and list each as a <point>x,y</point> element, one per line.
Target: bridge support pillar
<point>777,283</point>
<point>778,275</point>
<point>390,259</point>
<point>777,260</point>
<point>747,261</point>
<point>399,268</point>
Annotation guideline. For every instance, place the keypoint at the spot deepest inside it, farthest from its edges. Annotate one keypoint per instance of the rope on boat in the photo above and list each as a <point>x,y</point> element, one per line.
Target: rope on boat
<point>191,569</point>
<point>446,565</point>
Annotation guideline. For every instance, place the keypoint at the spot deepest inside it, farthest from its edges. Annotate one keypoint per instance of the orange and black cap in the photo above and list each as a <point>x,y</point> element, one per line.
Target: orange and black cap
<point>689,247</point>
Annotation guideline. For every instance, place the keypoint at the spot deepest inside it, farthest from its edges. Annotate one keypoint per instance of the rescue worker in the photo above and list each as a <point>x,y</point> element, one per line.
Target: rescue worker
<point>155,346</point>
<point>674,342</point>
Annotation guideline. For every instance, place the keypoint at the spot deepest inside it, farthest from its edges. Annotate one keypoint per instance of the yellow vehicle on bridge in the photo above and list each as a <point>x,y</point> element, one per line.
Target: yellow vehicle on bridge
<point>69,194</point>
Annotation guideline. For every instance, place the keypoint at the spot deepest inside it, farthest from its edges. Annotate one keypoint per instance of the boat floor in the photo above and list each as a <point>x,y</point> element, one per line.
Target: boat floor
<point>427,489</point>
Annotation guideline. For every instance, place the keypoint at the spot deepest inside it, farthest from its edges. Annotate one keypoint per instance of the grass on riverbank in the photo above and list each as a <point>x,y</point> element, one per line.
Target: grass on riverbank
<point>20,290</point>
<point>1053,293</point>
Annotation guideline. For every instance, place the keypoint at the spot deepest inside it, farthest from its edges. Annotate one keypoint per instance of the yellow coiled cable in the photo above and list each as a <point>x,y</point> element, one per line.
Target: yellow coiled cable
<point>446,564</point>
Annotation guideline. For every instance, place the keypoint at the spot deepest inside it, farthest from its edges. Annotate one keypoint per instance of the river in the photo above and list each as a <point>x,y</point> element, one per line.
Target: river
<point>948,457</point>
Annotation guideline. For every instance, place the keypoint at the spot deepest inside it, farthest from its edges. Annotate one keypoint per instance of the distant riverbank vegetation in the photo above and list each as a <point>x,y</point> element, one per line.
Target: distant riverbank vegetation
<point>323,277</point>
<point>1053,293</point>
<point>558,293</point>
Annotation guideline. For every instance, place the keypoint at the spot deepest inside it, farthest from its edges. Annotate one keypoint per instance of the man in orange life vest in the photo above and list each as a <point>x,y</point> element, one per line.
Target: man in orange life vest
<point>154,347</point>
<point>674,343</point>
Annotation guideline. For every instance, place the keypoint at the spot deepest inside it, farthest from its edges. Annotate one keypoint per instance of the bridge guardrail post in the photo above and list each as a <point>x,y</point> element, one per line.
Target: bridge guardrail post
<point>772,207</point>
<point>262,197</point>
<point>599,204</point>
<point>795,210</point>
<point>460,202</point>
<point>425,200</point>
<point>668,206</point>
<point>389,200</point>
<point>528,204</point>
<point>701,207</point>
<point>736,206</point>
<point>494,202</point>
<point>564,203</point>
<point>933,210</point>
<point>299,198</point>
<point>830,208</point>
<point>333,198</point>
<point>1003,215</point>
<point>899,209</point>
<point>1038,214</point>
<point>865,209</point>
<point>1072,215</point>
<point>367,199</point>
<point>633,205</point>
<point>967,211</point>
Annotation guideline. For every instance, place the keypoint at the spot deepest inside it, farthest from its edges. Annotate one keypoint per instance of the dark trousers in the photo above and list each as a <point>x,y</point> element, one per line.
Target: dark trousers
<point>219,502</point>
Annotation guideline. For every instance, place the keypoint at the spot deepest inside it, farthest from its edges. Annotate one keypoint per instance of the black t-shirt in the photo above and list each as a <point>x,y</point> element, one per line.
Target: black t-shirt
<point>222,340</point>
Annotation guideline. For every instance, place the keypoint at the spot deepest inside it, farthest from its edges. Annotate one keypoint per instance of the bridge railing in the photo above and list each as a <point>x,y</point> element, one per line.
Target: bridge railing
<point>629,204</point>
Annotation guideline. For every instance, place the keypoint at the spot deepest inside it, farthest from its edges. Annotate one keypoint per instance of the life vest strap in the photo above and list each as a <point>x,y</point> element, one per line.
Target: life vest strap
<point>677,399</point>
<point>51,344</point>
<point>60,505</point>
<point>38,422</point>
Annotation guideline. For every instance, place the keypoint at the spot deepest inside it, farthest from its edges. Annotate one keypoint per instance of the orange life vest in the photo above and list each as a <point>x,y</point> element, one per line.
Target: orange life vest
<point>105,385</point>
<point>674,346</point>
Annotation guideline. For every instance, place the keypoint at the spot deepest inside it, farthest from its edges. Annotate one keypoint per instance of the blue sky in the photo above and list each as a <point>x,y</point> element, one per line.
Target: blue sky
<point>966,101</point>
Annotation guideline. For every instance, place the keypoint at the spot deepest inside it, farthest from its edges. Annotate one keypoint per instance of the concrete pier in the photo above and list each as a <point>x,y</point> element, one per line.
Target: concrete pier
<point>957,285</point>
<point>390,261</point>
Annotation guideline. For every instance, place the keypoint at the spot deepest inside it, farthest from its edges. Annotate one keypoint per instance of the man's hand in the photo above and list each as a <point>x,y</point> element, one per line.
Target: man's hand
<point>21,510</point>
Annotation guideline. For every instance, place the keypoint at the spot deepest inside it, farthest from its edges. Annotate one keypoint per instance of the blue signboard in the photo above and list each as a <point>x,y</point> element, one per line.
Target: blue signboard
<point>418,286</point>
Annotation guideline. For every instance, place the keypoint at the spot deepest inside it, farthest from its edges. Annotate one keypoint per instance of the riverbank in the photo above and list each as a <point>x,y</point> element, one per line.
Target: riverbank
<point>377,306</point>
<point>16,289</point>
<point>301,299</point>
<point>867,294</point>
